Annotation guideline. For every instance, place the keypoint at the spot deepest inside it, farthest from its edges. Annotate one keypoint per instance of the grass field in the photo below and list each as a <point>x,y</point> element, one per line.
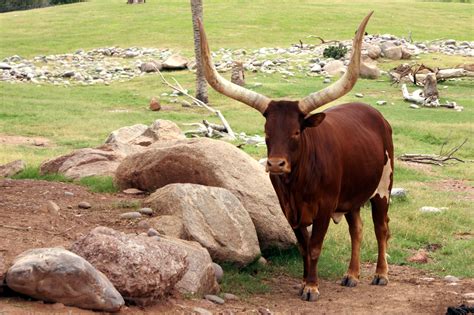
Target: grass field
<point>76,117</point>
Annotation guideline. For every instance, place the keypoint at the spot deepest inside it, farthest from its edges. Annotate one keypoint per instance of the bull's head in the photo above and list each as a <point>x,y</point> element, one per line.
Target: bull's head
<point>285,119</point>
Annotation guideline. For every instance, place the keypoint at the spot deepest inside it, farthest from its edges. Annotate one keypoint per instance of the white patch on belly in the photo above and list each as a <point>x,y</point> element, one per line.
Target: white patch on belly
<point>384,184</point>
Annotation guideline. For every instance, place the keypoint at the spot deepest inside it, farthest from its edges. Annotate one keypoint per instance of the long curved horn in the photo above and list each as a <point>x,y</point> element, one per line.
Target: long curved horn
<point>345,83</point>
<point>221,85</point>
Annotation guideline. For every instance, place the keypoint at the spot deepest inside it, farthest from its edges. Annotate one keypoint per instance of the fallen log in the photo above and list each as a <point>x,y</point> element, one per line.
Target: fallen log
<point>434,159</point>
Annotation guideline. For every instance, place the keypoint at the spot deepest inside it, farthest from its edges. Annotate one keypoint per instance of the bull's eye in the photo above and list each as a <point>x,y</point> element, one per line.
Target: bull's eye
<point>297,133</point>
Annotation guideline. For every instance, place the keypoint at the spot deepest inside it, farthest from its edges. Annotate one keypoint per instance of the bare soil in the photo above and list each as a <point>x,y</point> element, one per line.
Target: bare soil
<point>25,223</point>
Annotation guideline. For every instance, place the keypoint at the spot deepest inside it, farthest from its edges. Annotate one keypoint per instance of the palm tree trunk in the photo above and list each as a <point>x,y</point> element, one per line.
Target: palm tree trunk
<point>201,84</point>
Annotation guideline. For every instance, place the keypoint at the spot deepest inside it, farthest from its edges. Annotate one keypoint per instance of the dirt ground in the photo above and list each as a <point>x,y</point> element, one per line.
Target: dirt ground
<point>25,223</point>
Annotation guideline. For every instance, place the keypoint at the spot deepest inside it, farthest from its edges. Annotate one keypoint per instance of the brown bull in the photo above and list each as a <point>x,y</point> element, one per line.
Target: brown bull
<point>325,165</point>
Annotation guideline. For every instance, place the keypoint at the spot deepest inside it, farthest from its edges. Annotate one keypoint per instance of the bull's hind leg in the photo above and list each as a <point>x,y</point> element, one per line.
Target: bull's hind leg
<point>355,229</point>
<point>380,218</point>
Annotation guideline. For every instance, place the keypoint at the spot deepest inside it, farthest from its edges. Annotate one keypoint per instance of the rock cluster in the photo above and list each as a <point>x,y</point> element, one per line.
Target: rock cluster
<point>105,65</point>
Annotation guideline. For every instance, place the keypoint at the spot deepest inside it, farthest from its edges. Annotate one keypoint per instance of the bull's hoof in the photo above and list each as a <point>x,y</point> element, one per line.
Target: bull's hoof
<point>310,293</point>
<point>349,281</point>
<point>380,280</point>
<point>301,288</point>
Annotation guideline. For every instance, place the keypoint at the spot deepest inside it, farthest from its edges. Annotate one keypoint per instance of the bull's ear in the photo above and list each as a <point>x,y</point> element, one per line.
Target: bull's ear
<point>314,120</point>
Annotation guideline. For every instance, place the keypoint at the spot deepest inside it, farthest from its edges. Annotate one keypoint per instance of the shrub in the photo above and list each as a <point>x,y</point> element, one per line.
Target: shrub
<point>336,52</point>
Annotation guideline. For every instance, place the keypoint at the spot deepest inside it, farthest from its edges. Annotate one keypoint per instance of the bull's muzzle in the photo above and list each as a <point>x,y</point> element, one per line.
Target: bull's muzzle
<point>278,166</point>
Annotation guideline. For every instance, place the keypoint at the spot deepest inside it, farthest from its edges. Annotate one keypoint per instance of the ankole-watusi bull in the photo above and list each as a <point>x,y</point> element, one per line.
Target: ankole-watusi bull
<point>324,165</point>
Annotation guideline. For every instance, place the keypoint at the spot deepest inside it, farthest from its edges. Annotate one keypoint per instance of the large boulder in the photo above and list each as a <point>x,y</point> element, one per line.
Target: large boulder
<point>57,275</point>
<point>335,67</point>
<point>369,69</point>
<point>104,160</point>
<point>143,269</point>
<point>200,278</point>
<point>374,51</point>
<point>168,225</point>
<point>211,216</point>
<point>393,53</point>
<point>175,62</point>
<point>12,168</point>
<point>212,163</point>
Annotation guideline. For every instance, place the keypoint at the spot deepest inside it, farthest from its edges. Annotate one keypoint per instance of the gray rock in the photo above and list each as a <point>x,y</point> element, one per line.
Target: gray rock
<point>451,279</point>
<point>142,269</point>
<point>393,53</point>
<point>84,205</point>
<point>175,62</point>
<point>68,193</point>
<point>335,67</point>
<point>398,193</point>
<point>381,103</point>
<point>214,299</point>
<point>414,106</point>
<point>147,211</point>
<point>316,68</point>
<point>327,80</point>
<point>450,42</point>
<point>211,163</point>
<point>12,168</point>
<point>374,51</point>
<point>218,271</point>
<point>199,278</point>
<point>5,66</point>
<point>130,215</point>
<point>151,66</point>
<point>359,95</point>
<point>57,275</point>
<point>133,191</point>
<point>428,209</point>
<point>68,74</point>
<point>152,232</point>
<point>230,297</point>
<point>212,216</point>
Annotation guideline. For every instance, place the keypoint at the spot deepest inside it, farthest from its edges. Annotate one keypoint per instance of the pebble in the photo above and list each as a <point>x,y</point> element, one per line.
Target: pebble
<point>327,80</point>
<point>262,261</point>
<point>451,279</point>
<point>152,232</point>
<point>130,215</point>
<point>218,271</point>
<point>68,193</point>
<point>414,106</point>
<point>84,205</point>
<point>201,311</point>
<point>133,191</point>
<point>381,102</point>
<point>53,208</point>
<point>214,299</point>
<point>148,211</point>
<point>359,95</point>
<point>230,297</point>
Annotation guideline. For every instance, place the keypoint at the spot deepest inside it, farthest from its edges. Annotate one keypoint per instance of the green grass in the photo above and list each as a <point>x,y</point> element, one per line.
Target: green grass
<point>167,23</point>
<point>76,117</point>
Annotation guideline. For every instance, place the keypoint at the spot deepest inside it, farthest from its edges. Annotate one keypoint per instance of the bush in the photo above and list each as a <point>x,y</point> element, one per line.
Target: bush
<point>336,52</point>
<point>14,5</point>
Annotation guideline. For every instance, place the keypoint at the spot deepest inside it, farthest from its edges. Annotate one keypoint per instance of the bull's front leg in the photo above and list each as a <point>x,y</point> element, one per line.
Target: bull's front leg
<point>311,291</point>
<point>302,236</point>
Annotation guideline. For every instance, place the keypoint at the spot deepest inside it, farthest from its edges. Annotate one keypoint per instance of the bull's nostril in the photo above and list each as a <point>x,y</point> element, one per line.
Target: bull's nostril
<point>282,163</point>
<point>269,163</point>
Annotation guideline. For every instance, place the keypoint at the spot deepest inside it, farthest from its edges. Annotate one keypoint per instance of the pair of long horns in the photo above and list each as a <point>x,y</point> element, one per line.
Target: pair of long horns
<point>260,102</point>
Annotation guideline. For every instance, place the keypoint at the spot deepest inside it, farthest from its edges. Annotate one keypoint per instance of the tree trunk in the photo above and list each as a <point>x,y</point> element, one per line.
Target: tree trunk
<point>201,84</point>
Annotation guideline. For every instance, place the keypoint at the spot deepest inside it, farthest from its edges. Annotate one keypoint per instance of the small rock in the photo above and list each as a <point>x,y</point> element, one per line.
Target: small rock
<point>427,209</point>
<point>262,261</point>
<point>68,193</point>
<point>451,279</point>
<point>148,211</point>
<point>414,106</point>
<point>327,80</point>
<point>5,66</point>
<point>218,271</point>
<point>359,95</point>
<point>264,311</point>
<point>130,215</point>
<point>84,205</point>
<point>230,297</point>
<point>152,232</point>
<point>52,207</point>
<point>133,191</point>
<point>143,225</point>
<point>214,299</point>
<point>316,68</point>
<point>420,257</point>
<point>381,102</point>
<point>427,279</point>
<point>468,296</point>
<point>201,311</point>
<point>154,104</point>
<point>398,193</point>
